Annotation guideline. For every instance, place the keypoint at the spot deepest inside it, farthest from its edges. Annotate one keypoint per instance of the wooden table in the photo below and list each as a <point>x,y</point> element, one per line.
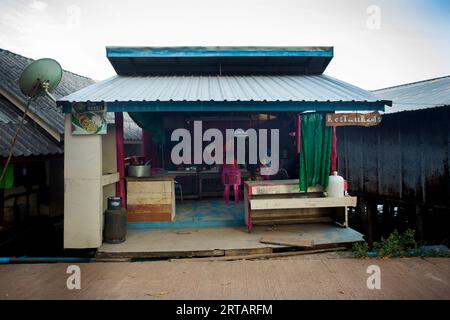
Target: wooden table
<point>201,176</point>
<point>274,202</point>
<point>185,173</point>
<point>210,174</point>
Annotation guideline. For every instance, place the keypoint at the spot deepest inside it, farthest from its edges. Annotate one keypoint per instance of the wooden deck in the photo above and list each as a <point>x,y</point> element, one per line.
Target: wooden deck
<point>203,242</point>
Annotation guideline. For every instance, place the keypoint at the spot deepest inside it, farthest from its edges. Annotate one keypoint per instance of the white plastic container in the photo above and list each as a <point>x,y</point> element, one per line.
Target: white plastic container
<point>335,187</point>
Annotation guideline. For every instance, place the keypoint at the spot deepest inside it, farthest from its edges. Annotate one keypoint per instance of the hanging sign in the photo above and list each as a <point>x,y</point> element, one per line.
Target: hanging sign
<point>353,119</point>
<point>88,118</point>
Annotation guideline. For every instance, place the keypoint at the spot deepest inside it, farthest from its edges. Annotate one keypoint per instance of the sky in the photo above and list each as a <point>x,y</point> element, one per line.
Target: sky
<point>376,43</point>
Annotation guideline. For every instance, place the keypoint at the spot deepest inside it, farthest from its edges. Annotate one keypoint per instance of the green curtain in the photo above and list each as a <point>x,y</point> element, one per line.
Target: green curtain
<point>150,121</point>
<point>315,153</point>
<point>8,180</point>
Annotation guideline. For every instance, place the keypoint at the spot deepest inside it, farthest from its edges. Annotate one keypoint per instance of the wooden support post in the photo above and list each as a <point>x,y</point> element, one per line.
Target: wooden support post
<point>371,221</point>
<point>120,155</point>
<point>388,212</point>
<point>299,133</point>
<point>419,221</point>
<point>2,205</point>
<point>27,201</point>
<point>384,217</point>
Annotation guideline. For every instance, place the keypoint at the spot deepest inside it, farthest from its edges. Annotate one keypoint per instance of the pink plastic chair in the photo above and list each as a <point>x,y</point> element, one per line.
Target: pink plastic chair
<point>265,177</point>
<point>231,177</point>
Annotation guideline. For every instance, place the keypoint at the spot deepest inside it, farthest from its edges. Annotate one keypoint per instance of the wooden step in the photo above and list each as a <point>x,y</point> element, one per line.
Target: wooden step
<point>292,221</point>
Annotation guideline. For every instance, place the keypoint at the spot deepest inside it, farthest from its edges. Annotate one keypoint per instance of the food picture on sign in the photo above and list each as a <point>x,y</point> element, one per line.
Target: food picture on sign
<point>88,118</point>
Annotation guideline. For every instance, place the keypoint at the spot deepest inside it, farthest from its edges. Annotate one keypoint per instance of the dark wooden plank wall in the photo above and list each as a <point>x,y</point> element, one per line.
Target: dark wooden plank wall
<point>405,158</point>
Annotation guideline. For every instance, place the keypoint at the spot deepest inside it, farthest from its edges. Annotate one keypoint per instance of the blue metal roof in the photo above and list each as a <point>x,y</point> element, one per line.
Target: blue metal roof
<point>226,93</point>
<point>417,95</point>
<point>219,60</point>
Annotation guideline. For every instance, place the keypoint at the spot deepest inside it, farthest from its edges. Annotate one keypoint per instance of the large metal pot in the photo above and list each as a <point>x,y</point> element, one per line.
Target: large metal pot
<point>139,171</point>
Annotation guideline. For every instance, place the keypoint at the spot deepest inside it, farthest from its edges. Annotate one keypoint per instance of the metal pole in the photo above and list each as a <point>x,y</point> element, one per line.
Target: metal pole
<point>13,142</point>
<point>120,154</point>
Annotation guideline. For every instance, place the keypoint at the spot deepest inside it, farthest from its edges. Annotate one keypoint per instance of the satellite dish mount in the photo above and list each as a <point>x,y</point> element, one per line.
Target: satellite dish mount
<point>38,79</point>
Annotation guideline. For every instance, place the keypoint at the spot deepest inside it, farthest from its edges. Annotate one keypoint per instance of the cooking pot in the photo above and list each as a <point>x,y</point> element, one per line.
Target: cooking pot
<point>139,171</point>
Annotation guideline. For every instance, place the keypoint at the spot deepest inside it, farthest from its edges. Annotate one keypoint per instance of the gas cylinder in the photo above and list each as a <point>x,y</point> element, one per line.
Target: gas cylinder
<point>335,187</point>
<point>115,228</point>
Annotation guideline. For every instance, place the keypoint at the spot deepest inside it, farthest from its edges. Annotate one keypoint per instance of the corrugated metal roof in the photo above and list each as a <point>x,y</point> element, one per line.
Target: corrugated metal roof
<point>417,95</point>
<point>7,115</point>
<point>222,88</point>
<point>131,131</point>
<point>11,67</point>
<point>32,140</point>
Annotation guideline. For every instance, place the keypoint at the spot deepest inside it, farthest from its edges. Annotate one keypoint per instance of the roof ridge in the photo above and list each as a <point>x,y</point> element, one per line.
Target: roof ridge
<point>31,59</point>
<point>15,54</point>
<point>410,83</point>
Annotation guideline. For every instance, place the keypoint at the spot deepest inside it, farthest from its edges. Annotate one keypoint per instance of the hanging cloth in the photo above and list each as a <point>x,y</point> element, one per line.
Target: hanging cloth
<point>315,154</point>
<point>151,122</point>
<point>8,180</point>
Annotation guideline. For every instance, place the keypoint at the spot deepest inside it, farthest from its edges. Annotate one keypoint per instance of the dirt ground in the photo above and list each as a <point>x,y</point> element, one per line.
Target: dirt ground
<point>324,276</point>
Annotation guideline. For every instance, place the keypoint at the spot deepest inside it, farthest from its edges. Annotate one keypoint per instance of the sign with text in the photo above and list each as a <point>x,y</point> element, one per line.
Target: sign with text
<point>353,119</point>
<point>88,118</point>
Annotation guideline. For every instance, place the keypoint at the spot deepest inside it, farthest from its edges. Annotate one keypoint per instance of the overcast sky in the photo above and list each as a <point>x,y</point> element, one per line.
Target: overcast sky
<point>377,43</point>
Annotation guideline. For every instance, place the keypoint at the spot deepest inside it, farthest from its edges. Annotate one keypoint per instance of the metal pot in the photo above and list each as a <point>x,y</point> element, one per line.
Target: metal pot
<point>139,171</point>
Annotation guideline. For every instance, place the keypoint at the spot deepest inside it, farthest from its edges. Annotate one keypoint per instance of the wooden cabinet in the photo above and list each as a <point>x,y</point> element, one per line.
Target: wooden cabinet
<point>150,199</point>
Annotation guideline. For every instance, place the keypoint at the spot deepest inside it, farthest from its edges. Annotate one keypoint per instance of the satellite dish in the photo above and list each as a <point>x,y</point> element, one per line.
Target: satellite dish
<point>40,77</point>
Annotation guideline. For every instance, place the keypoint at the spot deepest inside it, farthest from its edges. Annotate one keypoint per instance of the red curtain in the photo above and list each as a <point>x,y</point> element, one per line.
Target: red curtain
<point>333,162</point>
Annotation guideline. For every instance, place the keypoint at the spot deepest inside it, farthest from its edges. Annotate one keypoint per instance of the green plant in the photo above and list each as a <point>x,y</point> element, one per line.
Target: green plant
<point>391,246</point>
<point>407,240</point>
<point>360,249</point>
<point>395,245</point>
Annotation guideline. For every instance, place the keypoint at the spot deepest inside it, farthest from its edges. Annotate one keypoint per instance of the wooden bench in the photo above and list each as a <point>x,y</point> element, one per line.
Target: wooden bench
<point>275,202</point>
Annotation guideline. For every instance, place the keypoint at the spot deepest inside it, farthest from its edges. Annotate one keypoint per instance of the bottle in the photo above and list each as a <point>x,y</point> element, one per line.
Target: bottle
<point>335,187</point>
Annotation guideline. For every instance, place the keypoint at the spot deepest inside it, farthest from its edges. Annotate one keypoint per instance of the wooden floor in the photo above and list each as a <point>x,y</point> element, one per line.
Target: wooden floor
<point>328,277</point>
<point>206,213</point>
<point>188,242</point>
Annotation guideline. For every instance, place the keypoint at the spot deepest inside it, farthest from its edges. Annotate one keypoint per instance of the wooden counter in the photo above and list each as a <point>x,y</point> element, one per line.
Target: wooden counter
<point>275,202</point>
<point>150,199</point>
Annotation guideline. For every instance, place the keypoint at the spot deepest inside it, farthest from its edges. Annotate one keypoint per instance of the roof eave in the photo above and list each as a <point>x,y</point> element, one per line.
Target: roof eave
<point>168,52</point>
<point>236,106</point>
